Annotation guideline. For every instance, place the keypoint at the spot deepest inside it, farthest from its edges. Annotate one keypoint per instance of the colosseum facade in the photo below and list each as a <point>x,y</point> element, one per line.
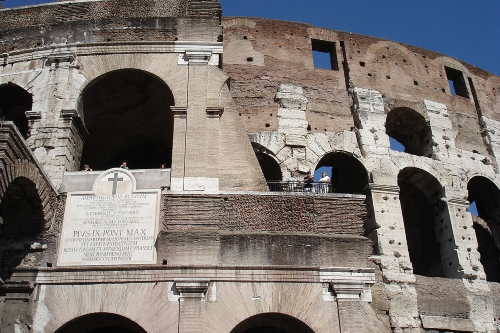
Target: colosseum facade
<point>205,231</point>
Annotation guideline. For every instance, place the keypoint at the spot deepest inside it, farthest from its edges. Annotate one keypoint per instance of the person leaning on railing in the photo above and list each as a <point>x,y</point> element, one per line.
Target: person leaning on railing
<point>292,182</point>
<point>309,182</point>
<point>324,183</point>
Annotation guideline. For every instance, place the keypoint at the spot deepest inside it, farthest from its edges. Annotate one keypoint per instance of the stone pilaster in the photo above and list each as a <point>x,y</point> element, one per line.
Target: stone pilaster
<point>465,239</point>
<point>370,115</point>
<point>213,133</point>
<point>443,133</point>
<point>350,288</point>
<point>179,114</point>
<point>191,305</point>
<point>388,232</point>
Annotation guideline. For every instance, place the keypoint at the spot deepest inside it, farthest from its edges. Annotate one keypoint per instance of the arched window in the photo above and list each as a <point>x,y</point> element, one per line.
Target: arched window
<point>127,114</point>
<point>272,323</point>
<point>411,130</point>
<point>14,102</point>
<point>268,164</point>
<point>429,235</point>
<point>348,175</point>
<point>101,323</point>
<point>22,221</point>
<point>486,196</point>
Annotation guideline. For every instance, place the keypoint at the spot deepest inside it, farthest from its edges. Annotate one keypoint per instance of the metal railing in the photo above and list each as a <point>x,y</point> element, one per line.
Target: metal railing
<point>299,186</point>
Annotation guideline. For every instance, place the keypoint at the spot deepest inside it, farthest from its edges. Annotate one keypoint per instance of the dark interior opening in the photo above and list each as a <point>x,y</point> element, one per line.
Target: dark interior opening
<point>21,210</point>
<point>127,114</point>
<point>101,323</point>
<point>348,174</point>
<point>457,82</point>
<point>21,222</point>
<point>14,102</point>
<point>410,129</point>
<point>271,323</point>
<point>486,195</point>
<point>426,220</point>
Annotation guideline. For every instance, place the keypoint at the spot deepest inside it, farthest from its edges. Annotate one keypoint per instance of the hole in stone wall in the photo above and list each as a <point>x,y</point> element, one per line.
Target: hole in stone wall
<point>14,102</point>
<point>268,125</point>
<point>415,83</point>
<point>249,59</point>
<point>486,195</point>
<point>128,118</point>
<point>411,130</point>
<point>21,222</point>
<point>269,166</point>
<point>324,54</point>
<point>348,175</point>
<point>456,82</point>
<point>362,64</point>
<point>422,210</point>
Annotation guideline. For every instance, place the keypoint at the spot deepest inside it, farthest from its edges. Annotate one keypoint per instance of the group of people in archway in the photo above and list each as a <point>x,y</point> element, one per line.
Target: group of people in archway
<point>309,184</point>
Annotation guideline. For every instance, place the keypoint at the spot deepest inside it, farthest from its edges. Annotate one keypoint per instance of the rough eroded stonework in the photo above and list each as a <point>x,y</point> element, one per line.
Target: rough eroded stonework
<point>224,105</point>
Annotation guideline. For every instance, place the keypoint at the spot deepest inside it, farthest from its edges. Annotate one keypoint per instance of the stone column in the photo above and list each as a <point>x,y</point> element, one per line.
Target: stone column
<point>370,115</point>
<point>388,233</point>
<point>465,239</point>
<point>178,147</point>
<point>192,305</point>
<point>492,128</point>
<point>443,134</point>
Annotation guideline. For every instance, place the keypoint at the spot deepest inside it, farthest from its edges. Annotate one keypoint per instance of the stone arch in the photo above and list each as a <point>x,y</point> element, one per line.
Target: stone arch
<point>225,97</point>
<point>272,322</point>
<point>455,64</point>
<point>239,21</point>
<point>22,222</point>
<point>372,49</point>
<point>128,117</point>
<point>395,48</point>
<point>26,169</point>
<point>14,102</point>
<point>162,65</point>
<point>486,195</point>
<point>429,234</point>
<point>101,323</point>
<point>269,164</point>
<point>322,34</point>
<point>411,129</point>
<point>218,82</point>
<point>348,174</point>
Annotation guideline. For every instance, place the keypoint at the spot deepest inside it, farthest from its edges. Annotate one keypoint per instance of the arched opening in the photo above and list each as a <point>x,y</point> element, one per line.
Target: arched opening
<point>269,166</point>
<point>22,220</point>
<point>411,130</point>
<point>14,102</point>
<point>101,323</point>
<point>127,114</point>
<point>272,323</point>
<point>486,196</point>
<point>348,175</point>
<point>429,235</point>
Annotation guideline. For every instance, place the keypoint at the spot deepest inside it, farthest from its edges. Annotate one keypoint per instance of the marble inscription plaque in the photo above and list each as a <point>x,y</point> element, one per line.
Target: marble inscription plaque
<point>109,229</point>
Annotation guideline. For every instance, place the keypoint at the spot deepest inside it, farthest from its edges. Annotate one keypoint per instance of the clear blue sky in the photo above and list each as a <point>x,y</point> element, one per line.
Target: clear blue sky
<point>464,29</point>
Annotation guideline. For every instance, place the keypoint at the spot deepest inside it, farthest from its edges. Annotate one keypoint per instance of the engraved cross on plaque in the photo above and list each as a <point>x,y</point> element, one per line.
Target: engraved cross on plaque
<point>115,181</point>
